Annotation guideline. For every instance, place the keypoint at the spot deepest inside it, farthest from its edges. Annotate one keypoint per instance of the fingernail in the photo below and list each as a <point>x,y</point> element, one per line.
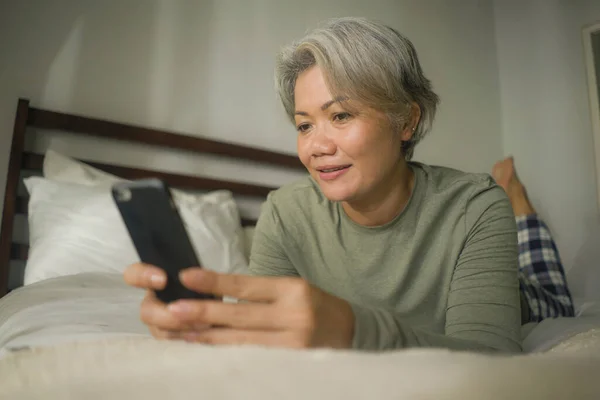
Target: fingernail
<point>179,308</point>
<point>157,279</point>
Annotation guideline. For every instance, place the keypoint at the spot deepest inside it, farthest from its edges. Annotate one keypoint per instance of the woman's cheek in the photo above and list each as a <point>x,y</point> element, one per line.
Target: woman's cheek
<point>302,149</point>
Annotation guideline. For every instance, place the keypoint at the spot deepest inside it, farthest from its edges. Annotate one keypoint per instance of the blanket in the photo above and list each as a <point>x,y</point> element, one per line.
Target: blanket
<point>143,368</point>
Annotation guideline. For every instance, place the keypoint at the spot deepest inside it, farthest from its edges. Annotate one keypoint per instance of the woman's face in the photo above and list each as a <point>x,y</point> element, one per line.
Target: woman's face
<point>350,154</point>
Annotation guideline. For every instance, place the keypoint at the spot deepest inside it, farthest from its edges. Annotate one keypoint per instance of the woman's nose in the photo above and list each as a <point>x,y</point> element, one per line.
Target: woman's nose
<point>322,143</point>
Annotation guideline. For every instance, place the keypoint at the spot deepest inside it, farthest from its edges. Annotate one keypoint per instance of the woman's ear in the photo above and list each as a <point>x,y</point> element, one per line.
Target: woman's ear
<point>413,121</point>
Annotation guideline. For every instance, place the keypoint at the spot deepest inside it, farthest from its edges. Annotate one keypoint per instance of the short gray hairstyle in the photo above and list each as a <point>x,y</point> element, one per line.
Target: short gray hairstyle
<point>365,61</point>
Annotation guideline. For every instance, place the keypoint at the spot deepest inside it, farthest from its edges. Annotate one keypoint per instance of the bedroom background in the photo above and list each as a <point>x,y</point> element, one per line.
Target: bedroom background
<point>510,74</point>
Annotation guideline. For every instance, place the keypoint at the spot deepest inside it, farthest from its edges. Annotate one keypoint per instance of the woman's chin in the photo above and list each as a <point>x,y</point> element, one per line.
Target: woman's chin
<point>337,194</point>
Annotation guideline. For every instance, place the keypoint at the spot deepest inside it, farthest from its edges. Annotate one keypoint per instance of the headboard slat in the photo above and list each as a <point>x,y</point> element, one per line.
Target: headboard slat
<point>248,222</point>
<point>19,251</point>
<point>21,206</point>
<point>10,191</point>
<point>34,161</point>
<point>95,127</point>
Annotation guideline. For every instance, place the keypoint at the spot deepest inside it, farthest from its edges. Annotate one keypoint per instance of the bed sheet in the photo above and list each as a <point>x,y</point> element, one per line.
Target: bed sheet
<point>71,308</point>
<point>100,305</point>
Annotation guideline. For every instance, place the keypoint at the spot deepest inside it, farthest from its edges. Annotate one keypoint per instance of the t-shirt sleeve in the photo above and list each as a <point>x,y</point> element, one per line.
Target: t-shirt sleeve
<point>483,309</point>
<point>268,256</point>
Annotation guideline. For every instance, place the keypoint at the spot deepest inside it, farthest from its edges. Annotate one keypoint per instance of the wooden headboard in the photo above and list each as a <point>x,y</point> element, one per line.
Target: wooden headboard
<point>21,160</point>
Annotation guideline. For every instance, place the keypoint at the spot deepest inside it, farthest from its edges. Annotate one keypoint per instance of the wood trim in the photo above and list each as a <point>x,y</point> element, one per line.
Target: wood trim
<point>248,222</point>
<point>19,251</point>
<point>593,97</point>
<point>21,205</point>
<point>32,161</point>
<point>10,191</point>
<point>22,209</point>
<point>73,123</point>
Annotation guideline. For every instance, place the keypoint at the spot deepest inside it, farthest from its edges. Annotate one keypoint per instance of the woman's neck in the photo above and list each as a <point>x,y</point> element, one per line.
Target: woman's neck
<point>386,202</point>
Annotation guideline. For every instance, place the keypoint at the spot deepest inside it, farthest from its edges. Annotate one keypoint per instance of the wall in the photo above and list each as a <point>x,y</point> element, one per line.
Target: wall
<point>205,67</point>
<point>545,110</point>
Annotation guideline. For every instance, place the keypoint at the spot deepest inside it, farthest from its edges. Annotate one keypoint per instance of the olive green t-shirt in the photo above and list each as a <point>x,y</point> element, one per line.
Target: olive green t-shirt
<point>443,273</point>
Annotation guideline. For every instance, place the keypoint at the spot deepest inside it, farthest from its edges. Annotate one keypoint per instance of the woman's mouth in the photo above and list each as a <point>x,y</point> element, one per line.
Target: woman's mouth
<point>331,172</point>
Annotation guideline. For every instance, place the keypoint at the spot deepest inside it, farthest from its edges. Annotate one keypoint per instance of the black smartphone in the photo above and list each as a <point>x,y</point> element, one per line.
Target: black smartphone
<point>158,233</point>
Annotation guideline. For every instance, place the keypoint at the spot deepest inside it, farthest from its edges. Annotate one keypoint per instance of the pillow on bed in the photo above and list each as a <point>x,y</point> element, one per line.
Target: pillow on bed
<point>66,169</point>
<point>76,228</point>
<point>61,168</point>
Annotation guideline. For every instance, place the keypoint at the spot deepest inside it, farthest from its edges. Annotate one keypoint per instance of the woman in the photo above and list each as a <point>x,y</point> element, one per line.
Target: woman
<point>372,251</point>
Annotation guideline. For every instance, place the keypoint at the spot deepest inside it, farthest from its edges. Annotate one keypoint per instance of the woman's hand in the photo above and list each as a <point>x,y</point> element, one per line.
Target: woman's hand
<point>280,311</point>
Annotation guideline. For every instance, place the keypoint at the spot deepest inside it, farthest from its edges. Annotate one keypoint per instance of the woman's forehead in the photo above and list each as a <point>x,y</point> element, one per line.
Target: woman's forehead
<point>311,90</point>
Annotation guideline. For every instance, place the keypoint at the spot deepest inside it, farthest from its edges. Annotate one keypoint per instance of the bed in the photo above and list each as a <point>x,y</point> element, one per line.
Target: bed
<point>69,326</point>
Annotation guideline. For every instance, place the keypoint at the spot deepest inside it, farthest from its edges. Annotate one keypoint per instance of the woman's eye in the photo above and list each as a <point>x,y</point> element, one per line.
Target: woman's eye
<point>303,128</point>
<point>341,116</point>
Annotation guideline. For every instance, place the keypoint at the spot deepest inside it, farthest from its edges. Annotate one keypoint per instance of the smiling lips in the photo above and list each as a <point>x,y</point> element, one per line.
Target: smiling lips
<point>331,172</point>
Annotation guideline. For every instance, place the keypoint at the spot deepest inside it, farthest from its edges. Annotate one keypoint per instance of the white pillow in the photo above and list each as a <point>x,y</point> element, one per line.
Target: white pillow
<point>76,228</point>
<point>61,168</point>
<point>65,169</point>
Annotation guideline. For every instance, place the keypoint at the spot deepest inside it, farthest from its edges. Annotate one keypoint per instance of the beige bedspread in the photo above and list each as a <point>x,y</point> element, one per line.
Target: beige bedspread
<point>82,339</point>
<point>142,368</point>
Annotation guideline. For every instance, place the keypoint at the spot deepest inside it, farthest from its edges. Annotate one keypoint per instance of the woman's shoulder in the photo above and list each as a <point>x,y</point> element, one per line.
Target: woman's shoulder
<point>475,193</point>
<point>440,178</point>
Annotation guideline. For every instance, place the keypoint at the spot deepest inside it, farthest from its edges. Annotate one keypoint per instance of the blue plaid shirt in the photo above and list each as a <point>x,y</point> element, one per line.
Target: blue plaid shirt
<point>541,275</point>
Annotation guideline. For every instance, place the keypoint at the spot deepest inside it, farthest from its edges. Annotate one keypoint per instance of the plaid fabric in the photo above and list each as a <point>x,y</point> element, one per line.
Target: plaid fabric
<point>541,275</point>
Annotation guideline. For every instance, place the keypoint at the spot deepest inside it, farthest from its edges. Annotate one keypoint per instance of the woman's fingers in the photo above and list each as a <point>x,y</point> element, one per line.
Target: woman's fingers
<point>154,313</point>
<point>145,276</point>
<point>253,288</point>
<point>265,320</point>
<point>261,316</point>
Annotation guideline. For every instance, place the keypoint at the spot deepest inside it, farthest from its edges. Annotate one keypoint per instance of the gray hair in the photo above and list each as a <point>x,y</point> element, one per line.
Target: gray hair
<point>364,61</point>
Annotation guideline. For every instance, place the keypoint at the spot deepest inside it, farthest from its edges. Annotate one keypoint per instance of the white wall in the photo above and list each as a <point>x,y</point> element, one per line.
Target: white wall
<point>545,110</point>
<point>205,67</point>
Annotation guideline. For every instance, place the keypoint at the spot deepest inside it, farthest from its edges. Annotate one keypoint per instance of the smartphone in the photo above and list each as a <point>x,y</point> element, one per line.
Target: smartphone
<point>158,233</point>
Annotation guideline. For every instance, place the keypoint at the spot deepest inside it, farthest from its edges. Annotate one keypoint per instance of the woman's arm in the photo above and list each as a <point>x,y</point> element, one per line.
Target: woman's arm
<point>483,310</point>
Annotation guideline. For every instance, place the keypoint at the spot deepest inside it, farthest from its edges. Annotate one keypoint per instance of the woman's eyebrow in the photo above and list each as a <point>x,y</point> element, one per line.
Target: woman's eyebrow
<point>325,105</point>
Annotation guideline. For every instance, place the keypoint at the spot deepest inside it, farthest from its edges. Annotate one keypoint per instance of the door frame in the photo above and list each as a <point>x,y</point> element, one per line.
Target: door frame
<point>592,81</point>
